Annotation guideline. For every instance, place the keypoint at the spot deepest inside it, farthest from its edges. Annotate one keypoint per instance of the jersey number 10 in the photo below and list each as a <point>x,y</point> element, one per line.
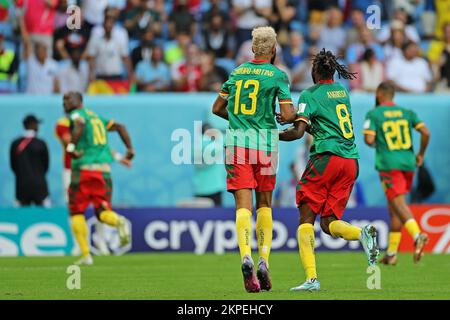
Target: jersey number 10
<point>252,95</point>
<point>98,131</point>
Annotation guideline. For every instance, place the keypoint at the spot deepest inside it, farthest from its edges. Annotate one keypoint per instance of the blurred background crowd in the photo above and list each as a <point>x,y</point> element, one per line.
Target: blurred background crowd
<point>192,45</point>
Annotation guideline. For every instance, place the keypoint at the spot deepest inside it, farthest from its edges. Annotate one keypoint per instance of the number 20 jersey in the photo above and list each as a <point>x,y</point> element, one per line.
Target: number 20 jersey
<point>326,107</point>
<point>94,140</point>
<point>251,91</point>
<point>392,127</point>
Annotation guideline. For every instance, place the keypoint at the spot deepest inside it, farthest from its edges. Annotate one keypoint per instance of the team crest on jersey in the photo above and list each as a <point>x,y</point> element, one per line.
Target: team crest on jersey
<point>301,107</point>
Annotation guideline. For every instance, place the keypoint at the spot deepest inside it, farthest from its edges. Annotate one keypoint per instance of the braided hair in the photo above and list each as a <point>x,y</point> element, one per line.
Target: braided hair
<point>325,65</point>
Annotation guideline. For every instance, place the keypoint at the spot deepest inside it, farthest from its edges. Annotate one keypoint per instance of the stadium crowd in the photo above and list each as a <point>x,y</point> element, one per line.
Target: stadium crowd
<point>192,45</point>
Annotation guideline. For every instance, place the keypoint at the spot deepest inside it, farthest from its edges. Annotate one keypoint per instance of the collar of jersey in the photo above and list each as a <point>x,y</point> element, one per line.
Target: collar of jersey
<point>326,81</point>
<point>259,61</point>
<point>387,103</point>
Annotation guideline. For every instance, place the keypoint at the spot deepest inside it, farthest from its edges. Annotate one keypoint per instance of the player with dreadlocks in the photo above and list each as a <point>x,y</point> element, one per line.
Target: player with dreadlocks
<point>324,111</point>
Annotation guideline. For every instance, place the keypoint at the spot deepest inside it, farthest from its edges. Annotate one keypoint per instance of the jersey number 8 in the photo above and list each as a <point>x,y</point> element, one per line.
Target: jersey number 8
<point>344,118</point>
<point>253,96</point>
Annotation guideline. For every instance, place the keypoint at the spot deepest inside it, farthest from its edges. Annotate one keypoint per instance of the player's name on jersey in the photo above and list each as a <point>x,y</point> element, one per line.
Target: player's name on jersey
<point>257,71</point>
<point>336,94</point>
<point>393,114</point>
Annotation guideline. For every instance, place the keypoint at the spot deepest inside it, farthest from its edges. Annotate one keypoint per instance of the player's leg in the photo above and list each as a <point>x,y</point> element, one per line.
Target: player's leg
<point>396,190</point>
<point>395,236</point>
<point>342,180</point>
<point>306,243</point>
<point>102,193</point>
<point>78,202</point>
<point>264,235</point>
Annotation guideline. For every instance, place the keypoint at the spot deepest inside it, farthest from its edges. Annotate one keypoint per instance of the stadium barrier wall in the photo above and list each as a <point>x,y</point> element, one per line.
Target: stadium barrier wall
<point>31,232</point>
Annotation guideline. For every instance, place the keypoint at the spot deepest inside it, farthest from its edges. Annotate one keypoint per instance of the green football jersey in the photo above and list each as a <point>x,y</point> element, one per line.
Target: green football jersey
<point>326,107</point>
<point>392,127</point>
<point>94,140</point>
<point>252,90</point>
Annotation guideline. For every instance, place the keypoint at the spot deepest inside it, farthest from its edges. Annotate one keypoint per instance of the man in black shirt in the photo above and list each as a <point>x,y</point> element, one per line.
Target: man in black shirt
<point>30,161</point>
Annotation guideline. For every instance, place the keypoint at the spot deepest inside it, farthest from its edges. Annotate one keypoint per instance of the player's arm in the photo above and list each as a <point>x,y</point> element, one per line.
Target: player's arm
<point>369,139</point>
<point>369,131</point>
<point>124,136</point>
<point>220,107</point>
<point>293,132</point>
<point>424,140</point>
<point>78,129</point>
<point>288,113</point>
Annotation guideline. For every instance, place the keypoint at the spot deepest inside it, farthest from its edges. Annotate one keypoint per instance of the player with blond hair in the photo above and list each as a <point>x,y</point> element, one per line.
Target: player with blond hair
<point>247,101</point>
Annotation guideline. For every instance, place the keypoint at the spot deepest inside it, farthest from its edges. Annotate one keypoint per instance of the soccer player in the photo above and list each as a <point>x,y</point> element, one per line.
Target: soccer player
<point>388,128</point>
<point>91,178</point>
<point>324,110</point>
<point>247,101</point>
<point>62,132</point>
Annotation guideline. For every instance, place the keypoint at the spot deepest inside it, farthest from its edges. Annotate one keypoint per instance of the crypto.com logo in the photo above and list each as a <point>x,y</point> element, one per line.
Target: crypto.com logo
<point>437,221</point>
<point>73,21</point>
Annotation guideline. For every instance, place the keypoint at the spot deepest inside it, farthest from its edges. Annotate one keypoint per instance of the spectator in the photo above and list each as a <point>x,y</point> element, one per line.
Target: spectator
<point>93,12</point>
<point>41,70</point>
<point>217,38</point>
<point>153,74</point>
<point>175,52</point>
<point>187,74</point>
<point>66,40</point>
<point>332,35</point>
<point>356,50</point>
<point>209,180</point>
<point>139,17</point>
<point>443,17</point>
<point>29,160</point>
<point>284,11</point>
<point>181,19</point>
<point>61,15</point>
<point>370,72</point>
<point>301,74</point>
<point>357,22</point>
<point>250,14</point>
<point>393,47</point>
<point>144,50</point>
<point>74,76</point>
<point>410,29</point>
<point>9,64</point>
<point>213,75</point>
<point>38,21</point>
<point>108,54</point>
<point>410,73</point>
<point>295,52</point>
<point>215,9</point>
<point>438,54</point>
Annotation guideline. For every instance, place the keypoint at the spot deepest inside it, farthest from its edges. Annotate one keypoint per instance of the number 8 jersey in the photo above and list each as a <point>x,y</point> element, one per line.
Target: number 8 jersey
<point>392,126</point>
<point>326,107</point>
<point>94,140</point>
<point>251,91</point>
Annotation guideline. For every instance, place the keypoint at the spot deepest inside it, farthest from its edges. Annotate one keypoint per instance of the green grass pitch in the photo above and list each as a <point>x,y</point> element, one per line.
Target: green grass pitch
<point>188,276</point>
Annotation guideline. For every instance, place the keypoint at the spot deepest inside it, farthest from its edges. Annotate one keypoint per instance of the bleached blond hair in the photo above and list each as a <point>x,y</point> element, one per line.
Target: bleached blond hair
<point>263,40</point>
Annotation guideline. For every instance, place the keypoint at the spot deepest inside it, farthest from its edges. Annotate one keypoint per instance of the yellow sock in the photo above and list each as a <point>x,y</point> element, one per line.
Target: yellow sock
<point>109,217</point>
<point>394,241</point>
<point>412,227</point>
<point>79,228</point>
<point>264,232</point>
<point>342,229</point>
<point>306,240</point>
<point>244,231</point>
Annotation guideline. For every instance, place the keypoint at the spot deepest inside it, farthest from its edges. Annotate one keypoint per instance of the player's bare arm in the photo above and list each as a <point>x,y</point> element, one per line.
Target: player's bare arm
<point>125,137</point>
<point>220,108</point>
<point>369,139</point>
<point>424,140</point>
<point>288,113</point>
<point>293,132</point>
<point>78,129</point>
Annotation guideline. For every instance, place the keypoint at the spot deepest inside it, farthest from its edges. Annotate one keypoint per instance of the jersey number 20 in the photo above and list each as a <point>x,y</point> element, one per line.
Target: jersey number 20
<point>393,133</point>
<point>252,95</point>
<point>344,118</point>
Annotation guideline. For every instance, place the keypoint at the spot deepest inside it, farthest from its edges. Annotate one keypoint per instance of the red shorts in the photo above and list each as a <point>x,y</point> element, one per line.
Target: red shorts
<point>250,169</point>
<point>327,183</point>
<point>396,182</point>
<point>88,187</point>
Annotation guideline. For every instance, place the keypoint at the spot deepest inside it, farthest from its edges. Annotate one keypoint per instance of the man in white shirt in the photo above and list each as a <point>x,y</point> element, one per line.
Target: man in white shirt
<point>108,53</point>
<point>410,73</point>
<point>41,70</point>
<point>74,76</point>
